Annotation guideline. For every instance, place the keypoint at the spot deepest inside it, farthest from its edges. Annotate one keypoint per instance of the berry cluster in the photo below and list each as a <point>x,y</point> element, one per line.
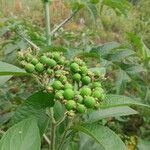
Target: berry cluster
<point>71,82</point>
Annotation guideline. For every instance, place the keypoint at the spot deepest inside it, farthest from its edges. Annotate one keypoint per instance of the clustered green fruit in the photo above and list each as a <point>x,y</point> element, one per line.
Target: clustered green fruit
<point>71,82</point>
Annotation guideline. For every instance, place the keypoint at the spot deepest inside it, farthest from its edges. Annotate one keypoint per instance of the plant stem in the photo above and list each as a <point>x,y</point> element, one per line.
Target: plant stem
<point>64,22</point>
<point>46,139</point>
<point>61,120</point>
<point>28,41</point>
<point>53,130</point>
<point>64,134</point>
<point>47,22</point>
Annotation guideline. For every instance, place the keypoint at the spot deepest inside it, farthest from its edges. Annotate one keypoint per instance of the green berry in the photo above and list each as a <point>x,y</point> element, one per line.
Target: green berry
<point>89,102</point>
<point>63,79</point>
<point>56,56</point>
<point>57,85</point>
<point>34,61</point>
<point>43,59</point>
<point>51,62</point>
<point>74,67</point>
<point>80,108</point>
<point>85,91</point>
<point>70,105</point>
<point>59,95</point>
<point>29,68</point>
<point>49,88</point>
<point>68,86</point>
<point>61,61</point>
<point>84,70</point>
<point>68,94</point>
<point>49,71</point>
<point>79,98</point>
<point>58,73</point>
<point>28,57</point>
<point>77,77</point>
<point>96,84</point>
<point>86,80</point>
<point>97,94</point>
<point>39,67</point>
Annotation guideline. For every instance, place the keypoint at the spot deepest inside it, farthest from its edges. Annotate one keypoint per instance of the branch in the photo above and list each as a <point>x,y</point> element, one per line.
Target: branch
<point>64,22</point>
<point>28,41</point>
<point>53,130</point>
<point>46,139</point>
<point>47,22</point>
<point>64,134</point>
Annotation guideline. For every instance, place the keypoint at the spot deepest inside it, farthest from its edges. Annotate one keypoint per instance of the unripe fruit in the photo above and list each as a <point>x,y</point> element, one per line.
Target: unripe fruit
<point>77,77</point>
<point>59,95</point>
<point>97,74</point>
<point>96,84</point>
<point>68,94</point>
<point>61,61</point>
<point>97,94</point>
<point>51,63</point>
<point>78,61</point>
<point>79,98</point>
<point>43,59</point>
<point>34,61</point>
<point>89,102</point>
<point>85,91</point>
<point>97,105</point>
<point>58,73</point>
<point>49,71</point>
<point>70,105</point>
<point>49,89</point>
<point>80,108</point>
<point>56,56</point>
<point>74,67</point>
<point>63,79</point>
<point>84,70</point>
<point>29,68</point>
<point>57,85</point>
<point>99,89</point>
<point>39,67</point>
<point>28,57</point>
<point>86,80</point>
<point>68,86</point>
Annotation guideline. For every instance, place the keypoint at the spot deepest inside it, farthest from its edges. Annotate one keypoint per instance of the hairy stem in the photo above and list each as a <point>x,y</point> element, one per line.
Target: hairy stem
<point>53,130</point>
<point>47,22</point>
<point>64,22</point>
<point>46,139</point>
<point>64,134</point>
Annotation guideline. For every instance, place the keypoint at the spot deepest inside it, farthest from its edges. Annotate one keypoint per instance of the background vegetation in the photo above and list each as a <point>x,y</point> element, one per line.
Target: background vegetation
<point>115,36</point>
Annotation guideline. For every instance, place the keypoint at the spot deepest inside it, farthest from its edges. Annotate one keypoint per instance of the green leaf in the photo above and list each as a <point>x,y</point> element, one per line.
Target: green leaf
<point>121,6</point>
<point>8,69</point>
<point>121,54</point>
<point>4,79</point>
<point>143,144</point>
<point>22,136</point>
<point>103,135</point>
<point>93,10</point>
<point>110,112</point>
<point>134,70</point>
<point>35,105</point>
<point>5,118</point>
<point>105,49</point>
<point>113,100</point>
<point>121,80</point>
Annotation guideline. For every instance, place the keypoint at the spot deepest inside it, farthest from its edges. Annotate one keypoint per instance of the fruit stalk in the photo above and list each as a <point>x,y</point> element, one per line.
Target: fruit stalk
<point>64,134</point>
<point>53,130</point>
<point>47,22</point>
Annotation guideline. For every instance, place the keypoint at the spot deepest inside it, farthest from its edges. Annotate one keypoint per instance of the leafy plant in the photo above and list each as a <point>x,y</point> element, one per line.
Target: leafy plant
<point>71,98</point>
